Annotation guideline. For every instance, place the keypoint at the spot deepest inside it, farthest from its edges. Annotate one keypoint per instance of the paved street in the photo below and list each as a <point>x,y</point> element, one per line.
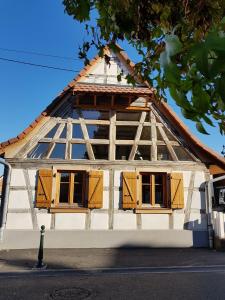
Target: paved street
<point>114,274</point>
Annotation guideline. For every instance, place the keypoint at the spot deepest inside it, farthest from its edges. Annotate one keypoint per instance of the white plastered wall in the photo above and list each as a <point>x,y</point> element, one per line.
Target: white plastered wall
<point>20,215</point>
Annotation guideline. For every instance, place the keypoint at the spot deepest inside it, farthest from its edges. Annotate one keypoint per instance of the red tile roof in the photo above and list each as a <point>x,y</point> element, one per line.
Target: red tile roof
<point>115,89</point>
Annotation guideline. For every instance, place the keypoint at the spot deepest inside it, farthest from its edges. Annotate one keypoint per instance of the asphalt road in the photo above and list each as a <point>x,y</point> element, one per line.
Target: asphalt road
<point>199,282</point>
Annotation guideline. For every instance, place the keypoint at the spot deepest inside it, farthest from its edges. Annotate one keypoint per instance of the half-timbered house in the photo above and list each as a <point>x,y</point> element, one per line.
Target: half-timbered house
<point>107,165</point>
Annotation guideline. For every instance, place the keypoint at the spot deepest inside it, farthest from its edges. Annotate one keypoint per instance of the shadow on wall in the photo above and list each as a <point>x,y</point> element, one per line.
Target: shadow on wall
<point>199,226</point>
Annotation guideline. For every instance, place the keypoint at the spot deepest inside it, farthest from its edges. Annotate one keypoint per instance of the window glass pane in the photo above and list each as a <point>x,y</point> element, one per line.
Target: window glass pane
<point>79,151</point>
<point>77,132</point>
<point>58,151</point>
<point>159,189</point>
<point>63,133</point>
<point>52,132</point>
<point>64,192</point>
<point>75,114</point>
<point>65,177</point>
<point>182,154</point>
<point>125,132</point>
<point>121,100</point>
<point>123,152</point>
<point>163,153</point>
<point>159,136</point>
<point>39,150</point>
<point>128,116</point>
<point>143,153</point>
<point>98,131</point>
<point>64,187</point>
<point>146,188</point>
<point>103,100</point>
<point>86,99</point>
<point>169,134</point>
<point>95,115</point>
<point>148,119</point>
<point>101,151</point>
<point>78,188</point>
<point>146,133</point>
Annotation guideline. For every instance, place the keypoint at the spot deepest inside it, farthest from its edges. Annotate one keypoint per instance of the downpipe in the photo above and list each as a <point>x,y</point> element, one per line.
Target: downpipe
<point>5,199</point>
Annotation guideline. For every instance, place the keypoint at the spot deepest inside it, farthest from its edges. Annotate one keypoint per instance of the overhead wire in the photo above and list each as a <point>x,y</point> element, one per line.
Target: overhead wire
<point>38,53</point>
<point>37,65</point>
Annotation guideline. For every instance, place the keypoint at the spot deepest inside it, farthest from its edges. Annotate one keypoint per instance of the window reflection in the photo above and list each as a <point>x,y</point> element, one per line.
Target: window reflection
<point>101,151</point>
<point>58,151</point>
<point>123,152</point>
<point>63,134</point>
<point>39,151</point>
<point>77,132</point>
<point>98,131</point>
<point>182,154</point>
<point>79,151</point>
<point>95,115</point>
<point>125,132</point>
<point>163,153</point>
<point>52,132</point>
<point>143,153</point>
<point>146,133</point>
<point>128,116</point>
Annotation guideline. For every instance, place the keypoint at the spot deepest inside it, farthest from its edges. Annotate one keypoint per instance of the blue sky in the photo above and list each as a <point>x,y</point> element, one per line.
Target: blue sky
<point>42,26</point>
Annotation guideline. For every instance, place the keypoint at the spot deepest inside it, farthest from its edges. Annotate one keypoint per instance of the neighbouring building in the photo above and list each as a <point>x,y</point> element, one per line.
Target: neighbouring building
<point>107,165</point>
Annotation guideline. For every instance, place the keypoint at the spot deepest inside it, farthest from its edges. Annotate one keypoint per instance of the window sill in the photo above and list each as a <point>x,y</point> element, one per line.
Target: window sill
<point>153,211</point>
<point>69,210</point>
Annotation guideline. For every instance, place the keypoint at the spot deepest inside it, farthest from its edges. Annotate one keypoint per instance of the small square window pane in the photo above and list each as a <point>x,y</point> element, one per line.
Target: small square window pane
<point>169,135</point>
<point>163,153</point>
<point>101,151</point>
<point>79,151</point>
<point>128,116</point>
<point>125,132</point>
<point>159,136</point>
<point>98,131</point>
<point>182,154</point>
<point>39,150</point>
<point>52,132</point>
<point>65,177</point>
<point>95,115</point>
<point>146,133</point>
<point>77,132</point>
<point>63,133</point>
<point>123,152</point>
<point>143,153</point>
<point>58,151</point>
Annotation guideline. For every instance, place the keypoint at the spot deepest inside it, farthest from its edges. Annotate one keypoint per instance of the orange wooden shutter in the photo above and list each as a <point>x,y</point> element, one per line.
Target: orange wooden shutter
<point>95,190</point>
<point>44,188</point>
<point>177,190</point>
<point>130,189</point>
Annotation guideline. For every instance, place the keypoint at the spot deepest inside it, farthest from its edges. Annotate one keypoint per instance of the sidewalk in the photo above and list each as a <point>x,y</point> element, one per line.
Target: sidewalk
<point>79,259</point>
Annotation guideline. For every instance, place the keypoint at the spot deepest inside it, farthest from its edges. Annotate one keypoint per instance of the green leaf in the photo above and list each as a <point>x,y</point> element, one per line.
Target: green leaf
<point>220,87</point>
<point>200,99</point>
<point>208,120</point>
<point>200,128</point>
<point>179,98</point>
